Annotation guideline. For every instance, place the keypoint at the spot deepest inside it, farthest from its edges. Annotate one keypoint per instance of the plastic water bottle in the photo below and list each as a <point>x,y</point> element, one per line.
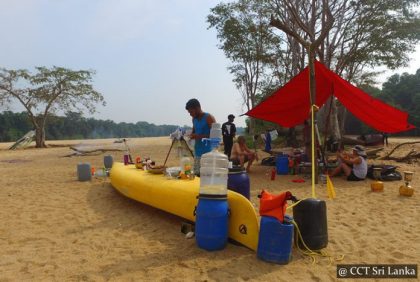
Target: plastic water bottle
<point>214,166</point>
<point>186,165</point>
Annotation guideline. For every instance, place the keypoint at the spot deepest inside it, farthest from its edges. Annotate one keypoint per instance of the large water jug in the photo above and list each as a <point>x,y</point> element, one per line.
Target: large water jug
<point>311,217</point>
<point>282,164</point>
<point>214,167</point>
<point>212,223</point>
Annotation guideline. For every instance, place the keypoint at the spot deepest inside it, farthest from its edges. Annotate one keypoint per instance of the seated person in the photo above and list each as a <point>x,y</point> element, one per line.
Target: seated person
<point>353,165</point>
<point>241,154</point>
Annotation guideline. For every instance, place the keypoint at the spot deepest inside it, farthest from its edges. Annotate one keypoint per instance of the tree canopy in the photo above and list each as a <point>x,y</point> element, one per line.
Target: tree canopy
<point>74,126</point>
<point>400,90</point>
<point>48,90</point>
<point>364,35</point>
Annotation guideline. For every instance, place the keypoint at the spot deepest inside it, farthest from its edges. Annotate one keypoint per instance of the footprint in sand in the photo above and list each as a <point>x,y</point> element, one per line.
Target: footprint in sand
<point>400,255</point>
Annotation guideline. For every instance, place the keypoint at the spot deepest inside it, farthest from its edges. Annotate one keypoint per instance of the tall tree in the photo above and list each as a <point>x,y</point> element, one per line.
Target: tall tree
<point>365,34</point>
<point>248,43</point>
<point>314,20</point>
<point>47,91</point>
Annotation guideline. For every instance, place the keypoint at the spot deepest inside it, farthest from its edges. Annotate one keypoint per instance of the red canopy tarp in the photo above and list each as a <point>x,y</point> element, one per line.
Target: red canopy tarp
<point>290,105</point>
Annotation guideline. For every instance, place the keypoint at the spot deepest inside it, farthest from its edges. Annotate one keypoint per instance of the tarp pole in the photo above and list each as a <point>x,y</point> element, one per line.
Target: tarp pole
<point>313,149</point>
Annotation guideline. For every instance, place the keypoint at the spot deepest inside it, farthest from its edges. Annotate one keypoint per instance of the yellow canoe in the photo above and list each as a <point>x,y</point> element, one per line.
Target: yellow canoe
<point>179,197</point>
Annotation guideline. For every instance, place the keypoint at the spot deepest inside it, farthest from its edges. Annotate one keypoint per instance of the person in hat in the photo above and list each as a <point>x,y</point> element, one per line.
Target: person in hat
<point>202,122</point>
<point>228,132</point>
<point>353,165</point>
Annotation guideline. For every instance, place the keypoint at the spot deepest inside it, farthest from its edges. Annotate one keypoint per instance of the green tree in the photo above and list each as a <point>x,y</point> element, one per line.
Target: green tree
<point>365,34</point>
<point>13,126</point>
<point>248,43</point>
<point>47,91</point>
<point>403,91</point>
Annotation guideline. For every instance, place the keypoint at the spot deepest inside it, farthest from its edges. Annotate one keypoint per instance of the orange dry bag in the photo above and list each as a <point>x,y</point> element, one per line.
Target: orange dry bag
<point>274,205</point>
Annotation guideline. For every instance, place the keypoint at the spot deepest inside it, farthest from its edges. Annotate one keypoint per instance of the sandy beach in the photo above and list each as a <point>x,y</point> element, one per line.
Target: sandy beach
<point>55,228</point>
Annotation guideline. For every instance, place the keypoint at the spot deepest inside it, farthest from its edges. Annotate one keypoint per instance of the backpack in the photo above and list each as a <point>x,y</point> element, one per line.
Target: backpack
<point>269,161</point>
<point>388,172</point>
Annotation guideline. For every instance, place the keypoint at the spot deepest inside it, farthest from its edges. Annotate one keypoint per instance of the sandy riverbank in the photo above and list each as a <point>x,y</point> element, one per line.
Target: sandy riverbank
<point>54,228</point>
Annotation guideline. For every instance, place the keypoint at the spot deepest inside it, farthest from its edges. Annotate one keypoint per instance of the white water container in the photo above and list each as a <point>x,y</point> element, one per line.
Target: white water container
<point>214,173</point>
<point>215,131</point>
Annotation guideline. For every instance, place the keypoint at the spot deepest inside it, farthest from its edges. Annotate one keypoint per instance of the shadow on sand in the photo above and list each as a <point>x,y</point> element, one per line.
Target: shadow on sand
<point>158,226</point>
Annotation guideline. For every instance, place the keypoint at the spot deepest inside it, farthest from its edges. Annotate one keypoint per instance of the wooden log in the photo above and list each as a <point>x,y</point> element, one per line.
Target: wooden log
<point>387,157</point>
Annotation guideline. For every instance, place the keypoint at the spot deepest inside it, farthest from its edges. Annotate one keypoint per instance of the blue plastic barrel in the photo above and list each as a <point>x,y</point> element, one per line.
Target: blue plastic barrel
<point>238,181</point>
<point>275,240</point>
<point>84,172</point>
<point>211,224</point>
<point>282,164</point>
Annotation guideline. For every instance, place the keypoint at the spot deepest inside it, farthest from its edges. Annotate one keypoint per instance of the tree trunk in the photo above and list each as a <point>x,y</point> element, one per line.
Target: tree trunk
<point>40,137</point>
<point>343,115</point>
<point>335,126</point>
<point>291,140</point>
<point>251,129</point>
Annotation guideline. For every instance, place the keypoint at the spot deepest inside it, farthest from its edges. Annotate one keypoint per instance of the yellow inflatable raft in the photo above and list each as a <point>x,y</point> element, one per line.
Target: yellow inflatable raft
<point>179,197</point>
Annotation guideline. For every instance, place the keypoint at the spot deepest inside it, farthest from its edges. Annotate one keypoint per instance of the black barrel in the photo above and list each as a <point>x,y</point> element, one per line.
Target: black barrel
<point>108,161</point>
<point>310,216</point>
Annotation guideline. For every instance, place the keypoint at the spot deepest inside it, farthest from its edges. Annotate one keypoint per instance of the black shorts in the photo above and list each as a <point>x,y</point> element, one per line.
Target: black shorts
<point>237,162</point>
<point>353,177</point>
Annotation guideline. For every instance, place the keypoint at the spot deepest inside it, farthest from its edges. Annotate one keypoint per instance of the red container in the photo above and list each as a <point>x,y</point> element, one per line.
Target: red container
<point>273,173</point>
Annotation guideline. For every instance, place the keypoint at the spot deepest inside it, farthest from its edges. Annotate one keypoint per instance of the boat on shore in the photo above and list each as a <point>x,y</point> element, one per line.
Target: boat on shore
<point>179,197</point>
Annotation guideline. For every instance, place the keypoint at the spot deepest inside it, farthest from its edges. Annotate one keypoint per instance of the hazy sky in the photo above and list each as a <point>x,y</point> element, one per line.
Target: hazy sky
<point>150,56</point>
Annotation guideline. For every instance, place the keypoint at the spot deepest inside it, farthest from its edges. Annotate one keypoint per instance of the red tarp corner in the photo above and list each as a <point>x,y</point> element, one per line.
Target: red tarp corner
<point>290,105</point>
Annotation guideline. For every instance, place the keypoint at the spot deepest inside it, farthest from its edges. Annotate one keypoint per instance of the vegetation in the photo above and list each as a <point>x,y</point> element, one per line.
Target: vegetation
<point>349,37</point>
<point>247,41</point>
<point>74,126</point>
<point>47,91</point>
<point>401,91</point>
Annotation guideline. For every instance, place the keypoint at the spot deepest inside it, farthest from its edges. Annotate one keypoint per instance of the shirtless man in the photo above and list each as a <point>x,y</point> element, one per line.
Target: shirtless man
<point>242,154</point>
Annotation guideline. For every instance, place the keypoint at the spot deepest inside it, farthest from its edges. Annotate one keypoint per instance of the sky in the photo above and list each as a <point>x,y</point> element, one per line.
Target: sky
<point>150,56</point>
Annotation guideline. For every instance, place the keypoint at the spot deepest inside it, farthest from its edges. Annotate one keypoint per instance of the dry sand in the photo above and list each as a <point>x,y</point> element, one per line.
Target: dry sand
<point>54,228</point>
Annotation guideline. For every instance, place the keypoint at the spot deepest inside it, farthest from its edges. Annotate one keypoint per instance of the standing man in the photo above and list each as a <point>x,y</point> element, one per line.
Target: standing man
<point>201,129</point>
<point>228,132</point>
<point>385,138</point>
